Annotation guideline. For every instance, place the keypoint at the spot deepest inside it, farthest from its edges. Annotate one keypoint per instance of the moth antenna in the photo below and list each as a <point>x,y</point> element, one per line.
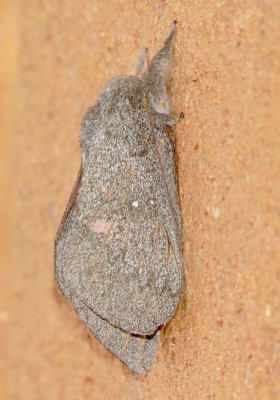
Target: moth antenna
<point>156,76</point>
<point>160,61</point>
<point>143,63</point>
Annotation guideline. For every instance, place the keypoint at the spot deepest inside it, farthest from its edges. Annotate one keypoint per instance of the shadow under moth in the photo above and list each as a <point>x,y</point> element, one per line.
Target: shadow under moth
<point>118,250</point>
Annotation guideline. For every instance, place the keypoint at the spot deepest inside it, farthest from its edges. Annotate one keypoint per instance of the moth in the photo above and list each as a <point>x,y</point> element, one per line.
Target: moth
<point>118,250</point>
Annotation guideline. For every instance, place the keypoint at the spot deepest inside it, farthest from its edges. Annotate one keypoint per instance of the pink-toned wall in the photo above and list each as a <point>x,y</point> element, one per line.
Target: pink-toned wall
<point>55,57</point>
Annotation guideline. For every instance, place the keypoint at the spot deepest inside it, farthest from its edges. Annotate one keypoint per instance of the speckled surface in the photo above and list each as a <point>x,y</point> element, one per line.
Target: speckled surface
<point>224,341</point>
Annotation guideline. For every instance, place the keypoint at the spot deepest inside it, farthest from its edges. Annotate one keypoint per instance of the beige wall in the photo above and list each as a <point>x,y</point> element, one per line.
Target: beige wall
<point>222,343</point>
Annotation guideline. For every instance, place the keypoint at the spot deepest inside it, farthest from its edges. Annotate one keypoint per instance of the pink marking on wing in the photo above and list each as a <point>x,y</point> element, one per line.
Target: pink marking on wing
<point>102,226</point>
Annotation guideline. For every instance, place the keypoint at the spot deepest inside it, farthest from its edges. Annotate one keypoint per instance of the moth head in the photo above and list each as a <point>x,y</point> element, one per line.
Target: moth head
<point>116,111</point>
<point>123,94</point>
<point>125,119</point>
<point>156,97</point>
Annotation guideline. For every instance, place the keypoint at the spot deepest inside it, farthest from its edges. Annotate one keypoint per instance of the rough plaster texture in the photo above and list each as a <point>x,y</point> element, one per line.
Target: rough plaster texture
<point>57,55</point>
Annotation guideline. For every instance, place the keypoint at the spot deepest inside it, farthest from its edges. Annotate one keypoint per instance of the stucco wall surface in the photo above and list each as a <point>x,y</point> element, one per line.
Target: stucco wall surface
<point>223,343</point>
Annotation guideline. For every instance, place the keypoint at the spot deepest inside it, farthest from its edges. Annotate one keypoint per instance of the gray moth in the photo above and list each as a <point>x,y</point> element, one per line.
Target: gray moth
<point>118,250</point>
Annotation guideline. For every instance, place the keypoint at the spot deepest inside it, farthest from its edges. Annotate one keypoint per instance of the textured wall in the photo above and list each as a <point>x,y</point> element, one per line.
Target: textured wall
<point>222,343</point>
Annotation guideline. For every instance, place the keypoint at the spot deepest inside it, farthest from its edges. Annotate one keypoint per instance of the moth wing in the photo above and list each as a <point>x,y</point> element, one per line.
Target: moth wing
<point>118,250</point>
<point>165,150</point>
<point>137,352</point>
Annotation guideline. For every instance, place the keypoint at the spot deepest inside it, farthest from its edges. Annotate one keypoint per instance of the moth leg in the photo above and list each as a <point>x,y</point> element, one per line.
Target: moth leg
<point>143,62</point>
<point>162,120</point>
<point>156,76</point>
